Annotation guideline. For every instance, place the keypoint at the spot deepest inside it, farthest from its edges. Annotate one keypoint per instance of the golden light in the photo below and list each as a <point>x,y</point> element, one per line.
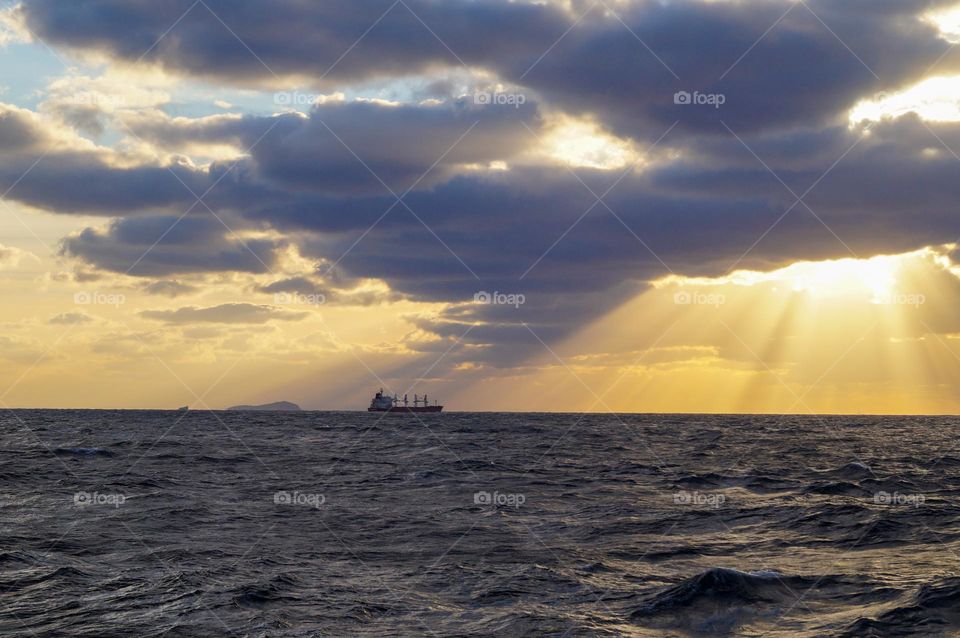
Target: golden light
<point>583,143</point>
<point>836,336</point>
<point>936,99</point>
<point>947,21</point>
<point>874,278</point>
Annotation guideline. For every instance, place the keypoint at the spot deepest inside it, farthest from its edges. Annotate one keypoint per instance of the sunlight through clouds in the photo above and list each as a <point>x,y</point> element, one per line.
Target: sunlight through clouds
<point>936,99</point>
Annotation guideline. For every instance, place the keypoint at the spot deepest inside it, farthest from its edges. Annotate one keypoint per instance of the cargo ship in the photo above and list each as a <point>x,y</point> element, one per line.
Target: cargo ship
<point>384,403</point>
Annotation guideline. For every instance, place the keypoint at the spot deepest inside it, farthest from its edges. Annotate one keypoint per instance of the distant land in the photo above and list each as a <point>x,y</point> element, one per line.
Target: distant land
<point>279,406</point>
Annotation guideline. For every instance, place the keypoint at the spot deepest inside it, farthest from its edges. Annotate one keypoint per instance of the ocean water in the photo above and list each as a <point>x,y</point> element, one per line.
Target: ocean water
<point>152,523</point>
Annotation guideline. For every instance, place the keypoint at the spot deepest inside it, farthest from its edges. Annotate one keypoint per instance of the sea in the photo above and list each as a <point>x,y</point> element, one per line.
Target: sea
<point>159,523</point>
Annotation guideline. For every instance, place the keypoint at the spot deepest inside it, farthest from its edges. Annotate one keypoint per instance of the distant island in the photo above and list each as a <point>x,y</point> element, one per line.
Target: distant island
<point>279,406</point>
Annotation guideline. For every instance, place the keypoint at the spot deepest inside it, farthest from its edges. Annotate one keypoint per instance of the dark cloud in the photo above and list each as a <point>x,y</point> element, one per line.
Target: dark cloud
<point>809,69</point>
<point>352,146</point>
<point>540,229</point>
<point>163,245</point>
<point>245,313</point>
<point>18,130</point>
<point>710,199</point>
<point>299,285</point>
<point>72,176</point>
<point>298,38</point>
<point>818,60</point>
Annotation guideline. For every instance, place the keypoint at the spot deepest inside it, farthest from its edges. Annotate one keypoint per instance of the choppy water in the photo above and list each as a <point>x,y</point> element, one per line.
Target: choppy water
<point>130,523</point>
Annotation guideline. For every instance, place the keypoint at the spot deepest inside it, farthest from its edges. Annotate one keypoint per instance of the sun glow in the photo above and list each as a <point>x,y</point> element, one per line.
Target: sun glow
<point>948,21</point>
<point>935,100</point>
<point>875,278</point>
<point>834,336</point>
<point>583,143</point>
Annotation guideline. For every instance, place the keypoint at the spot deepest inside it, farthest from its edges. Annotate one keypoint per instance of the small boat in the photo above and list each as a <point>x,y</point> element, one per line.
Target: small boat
<point>384,403</point>
<point>183,408</point>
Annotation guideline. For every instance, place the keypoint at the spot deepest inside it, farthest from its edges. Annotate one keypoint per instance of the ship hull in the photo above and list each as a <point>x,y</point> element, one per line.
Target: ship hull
<point>406,409</point>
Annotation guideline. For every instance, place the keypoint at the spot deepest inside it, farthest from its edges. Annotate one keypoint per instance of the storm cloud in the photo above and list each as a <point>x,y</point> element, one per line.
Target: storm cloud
<point>446,197</point>
<point>779,64</point>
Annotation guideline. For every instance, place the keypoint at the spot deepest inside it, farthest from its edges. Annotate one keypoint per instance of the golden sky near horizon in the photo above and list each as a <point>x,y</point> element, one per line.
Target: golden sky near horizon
<point>846,336</point>
<point>855,333</point>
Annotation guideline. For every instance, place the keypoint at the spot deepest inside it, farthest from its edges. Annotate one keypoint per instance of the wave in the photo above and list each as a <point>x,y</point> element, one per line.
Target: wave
<point>82,451</point>
<point>933,611</point>
<point>258,594</point>
<point>720,584</point>
<point>601,546</point>
<point>838,488</point>
<point>40,577</point>
<point>720,599</point>
<point>855,471</point>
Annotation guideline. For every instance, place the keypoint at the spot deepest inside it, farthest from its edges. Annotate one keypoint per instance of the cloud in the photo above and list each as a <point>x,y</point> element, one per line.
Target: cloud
<point>297,39</point>
<point>540,229</point>
<point>167,245</point>
<point>11,257</point>
<point>168,288</point>
<point>486,212</point>
<point>70,319</point>
<point>11,26</point>
<point>87,103</point>
<point>313,291</point>
<point>26,351</point>
<point>19,130</point>
<point>243,313</point>
<point>360,146</point>
<point>623,64</point>
<point>300,285</point>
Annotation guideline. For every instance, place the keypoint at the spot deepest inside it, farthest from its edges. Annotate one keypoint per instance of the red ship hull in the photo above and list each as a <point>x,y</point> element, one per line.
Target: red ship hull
<point>401,408</point>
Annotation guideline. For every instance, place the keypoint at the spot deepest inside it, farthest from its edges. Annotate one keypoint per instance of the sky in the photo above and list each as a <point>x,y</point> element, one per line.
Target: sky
<point>611,205</point>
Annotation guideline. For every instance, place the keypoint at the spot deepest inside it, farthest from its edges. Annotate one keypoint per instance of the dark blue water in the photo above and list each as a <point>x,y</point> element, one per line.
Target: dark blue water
<point>132,523</point>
